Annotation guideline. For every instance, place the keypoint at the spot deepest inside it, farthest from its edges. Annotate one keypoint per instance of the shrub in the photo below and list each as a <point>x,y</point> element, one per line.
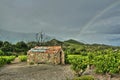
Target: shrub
<point>6,59</point>
<point>2,61</point>
<point>107,64</point>
<point>79,65</point>
<point>1,53</point>
<point>23,58</point>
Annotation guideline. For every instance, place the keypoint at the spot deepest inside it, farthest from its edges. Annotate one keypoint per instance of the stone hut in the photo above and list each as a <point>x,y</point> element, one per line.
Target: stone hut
<point>46,54</point>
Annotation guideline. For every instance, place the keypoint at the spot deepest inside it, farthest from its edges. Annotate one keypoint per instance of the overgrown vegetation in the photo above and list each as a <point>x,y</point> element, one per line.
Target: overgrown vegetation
<point>6,59</point>
<point>22,58</point>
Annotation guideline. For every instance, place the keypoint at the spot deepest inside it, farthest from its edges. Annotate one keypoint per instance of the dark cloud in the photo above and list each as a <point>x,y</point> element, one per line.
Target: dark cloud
<point>60,17</point>
<point>109,25</point>
<point>115,39</point>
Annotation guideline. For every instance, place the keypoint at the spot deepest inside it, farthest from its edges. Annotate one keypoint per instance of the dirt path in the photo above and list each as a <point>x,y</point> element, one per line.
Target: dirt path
<point>16,60</point>
<point>22,71</point>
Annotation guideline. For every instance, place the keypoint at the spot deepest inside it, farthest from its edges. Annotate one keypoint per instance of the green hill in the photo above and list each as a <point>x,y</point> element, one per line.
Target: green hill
<point>73,42</point>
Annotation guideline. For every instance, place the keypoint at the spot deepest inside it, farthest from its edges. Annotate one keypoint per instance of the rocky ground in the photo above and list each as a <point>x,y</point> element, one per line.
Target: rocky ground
<point>22,71</point>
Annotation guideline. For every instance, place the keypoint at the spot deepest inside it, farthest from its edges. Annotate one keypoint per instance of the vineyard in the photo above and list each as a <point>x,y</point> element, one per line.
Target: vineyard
<point>105,62</point>
<point>6,59</point>
<point>22,58</point>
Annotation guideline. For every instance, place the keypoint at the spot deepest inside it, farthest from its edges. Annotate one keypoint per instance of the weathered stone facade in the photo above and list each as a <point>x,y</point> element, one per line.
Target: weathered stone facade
<point>50,55</point>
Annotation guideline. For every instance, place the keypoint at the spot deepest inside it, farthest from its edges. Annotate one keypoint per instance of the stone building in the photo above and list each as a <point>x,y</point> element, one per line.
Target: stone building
<point>48,54</point>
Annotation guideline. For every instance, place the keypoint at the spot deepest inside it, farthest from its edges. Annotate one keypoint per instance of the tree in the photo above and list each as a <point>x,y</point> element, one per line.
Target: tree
<point>1,53</point>
<point>21,46</point>
<point>40,38</point>
<point>1,43</point>
<point>7,47</point>
<point>31,44</point>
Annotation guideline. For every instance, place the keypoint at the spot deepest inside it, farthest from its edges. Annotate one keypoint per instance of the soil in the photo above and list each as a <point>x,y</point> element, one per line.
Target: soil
<point>22,71</point>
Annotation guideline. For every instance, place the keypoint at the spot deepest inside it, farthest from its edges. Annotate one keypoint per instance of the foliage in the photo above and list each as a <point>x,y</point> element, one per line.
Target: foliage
<point>79,64</point>
<point>105,59</point>
<point>7,47</point>
<point>31,44</point>
<point>1,53</point>
<point>53,42</point>
<point>1,43</point>
<point>14,49</point>
<point>91,60</point>
<point>2,61</point>
<point>6,59</point>
<point>23,58</point>
<point>74,42</point>
<point>107,63</point>
<point>21,46</point>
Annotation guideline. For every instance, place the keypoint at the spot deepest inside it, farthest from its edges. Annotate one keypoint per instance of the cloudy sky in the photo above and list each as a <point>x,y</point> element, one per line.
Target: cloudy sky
<point>89,21</point>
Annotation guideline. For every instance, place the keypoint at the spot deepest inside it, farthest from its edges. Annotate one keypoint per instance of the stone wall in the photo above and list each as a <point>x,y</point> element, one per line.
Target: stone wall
<point>50,58</point>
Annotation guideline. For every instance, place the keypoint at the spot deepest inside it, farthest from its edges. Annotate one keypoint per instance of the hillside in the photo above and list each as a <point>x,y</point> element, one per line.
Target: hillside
<point>73,42</point>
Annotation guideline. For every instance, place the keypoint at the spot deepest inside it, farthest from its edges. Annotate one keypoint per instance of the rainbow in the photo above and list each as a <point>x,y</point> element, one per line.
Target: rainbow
<point>98,16</point>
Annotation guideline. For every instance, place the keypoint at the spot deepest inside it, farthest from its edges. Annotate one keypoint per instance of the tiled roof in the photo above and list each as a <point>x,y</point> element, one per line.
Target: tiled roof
<point>46,49</point>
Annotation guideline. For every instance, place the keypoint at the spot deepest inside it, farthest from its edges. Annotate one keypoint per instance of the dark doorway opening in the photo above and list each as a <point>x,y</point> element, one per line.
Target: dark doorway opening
<point>60,57</point>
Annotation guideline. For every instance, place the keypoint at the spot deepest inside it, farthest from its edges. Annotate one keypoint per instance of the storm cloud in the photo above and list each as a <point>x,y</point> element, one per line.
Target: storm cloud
<point>63,18</point>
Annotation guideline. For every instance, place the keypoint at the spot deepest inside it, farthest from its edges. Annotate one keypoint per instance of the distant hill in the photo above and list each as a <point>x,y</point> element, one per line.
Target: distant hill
<point>54,42</point>
<point>17,36</point>
<point>73,42</point>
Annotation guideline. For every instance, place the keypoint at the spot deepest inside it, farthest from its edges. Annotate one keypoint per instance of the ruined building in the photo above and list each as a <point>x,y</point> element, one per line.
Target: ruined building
<point>48,54</point>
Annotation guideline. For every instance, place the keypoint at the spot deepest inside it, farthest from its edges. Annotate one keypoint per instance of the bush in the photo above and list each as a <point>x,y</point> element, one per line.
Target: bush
<point>72,57</point>
<point>6,59</point>
<point>79,65</point>
<point>1,53</point>
<point>107,64</point>
<point>84,78</point>
<point>2,61</point>
<point>23,58</point>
